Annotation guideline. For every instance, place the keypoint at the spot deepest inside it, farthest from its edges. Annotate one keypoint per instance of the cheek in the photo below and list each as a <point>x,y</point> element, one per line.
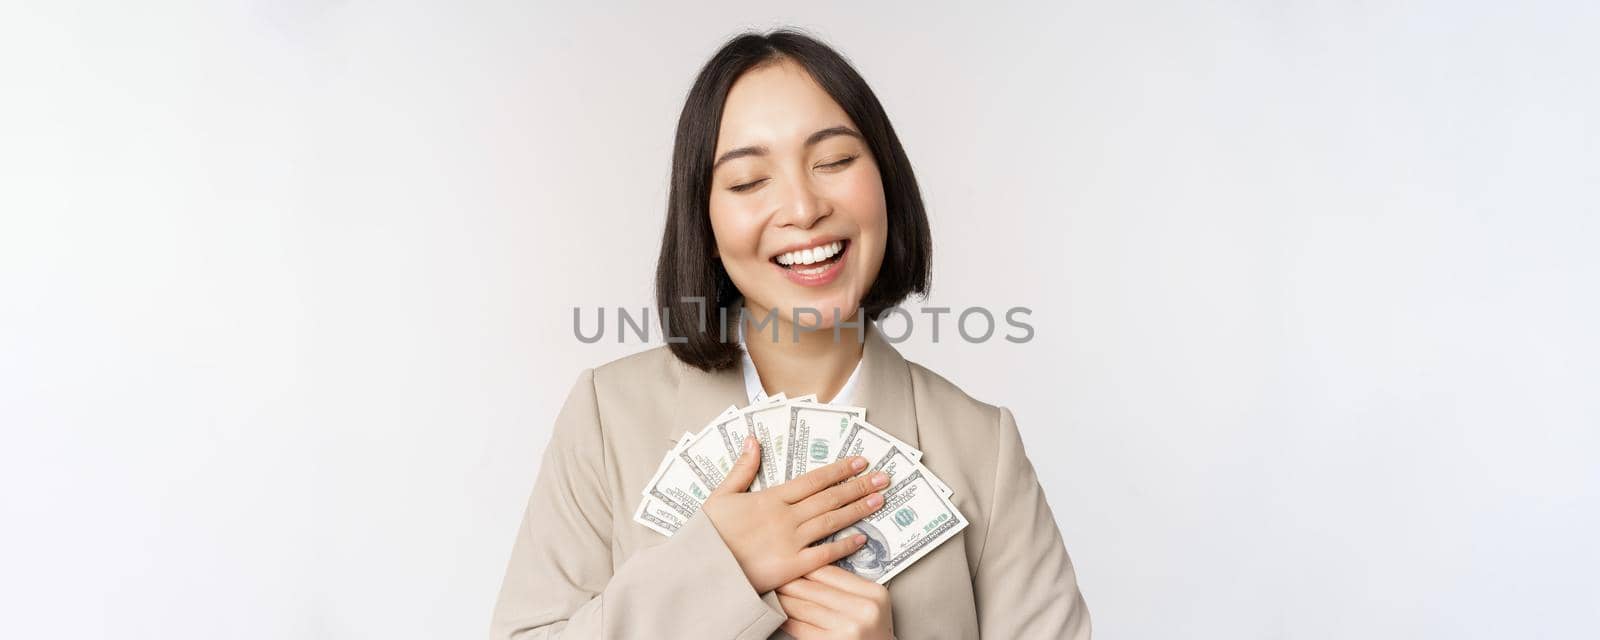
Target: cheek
<point>864,190</point>
<point>861,196</point>
<point>738,234</point>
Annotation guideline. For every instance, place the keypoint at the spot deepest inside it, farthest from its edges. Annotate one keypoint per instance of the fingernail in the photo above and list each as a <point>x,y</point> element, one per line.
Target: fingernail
<point>858,539</point>
<point>858,463</point>
<point>880,479</point>
<point>875,500</point>
<point>749,444</point>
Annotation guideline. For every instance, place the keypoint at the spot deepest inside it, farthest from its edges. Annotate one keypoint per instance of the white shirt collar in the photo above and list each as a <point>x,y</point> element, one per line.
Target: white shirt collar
<point>752,380</point>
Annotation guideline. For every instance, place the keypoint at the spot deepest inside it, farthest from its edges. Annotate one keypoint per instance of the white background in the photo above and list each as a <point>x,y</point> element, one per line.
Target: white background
<point>286,291</point>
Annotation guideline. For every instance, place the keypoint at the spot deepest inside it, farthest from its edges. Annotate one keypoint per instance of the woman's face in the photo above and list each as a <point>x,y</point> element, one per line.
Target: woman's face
<point>796,200</point>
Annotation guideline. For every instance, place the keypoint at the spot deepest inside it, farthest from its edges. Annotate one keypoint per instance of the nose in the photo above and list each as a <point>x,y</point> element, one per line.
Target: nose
<point>803,206</point>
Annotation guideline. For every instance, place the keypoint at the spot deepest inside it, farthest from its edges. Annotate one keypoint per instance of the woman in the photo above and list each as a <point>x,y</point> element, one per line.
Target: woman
<point>792,204</point>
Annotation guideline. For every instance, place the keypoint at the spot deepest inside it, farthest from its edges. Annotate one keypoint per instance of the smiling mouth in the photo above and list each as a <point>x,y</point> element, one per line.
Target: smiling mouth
<point>814,259</point>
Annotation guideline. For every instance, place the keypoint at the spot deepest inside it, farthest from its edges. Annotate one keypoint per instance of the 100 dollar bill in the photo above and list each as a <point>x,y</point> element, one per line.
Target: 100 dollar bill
<point>815,433</point>
<point>769,423</point>
<point>915,518</point>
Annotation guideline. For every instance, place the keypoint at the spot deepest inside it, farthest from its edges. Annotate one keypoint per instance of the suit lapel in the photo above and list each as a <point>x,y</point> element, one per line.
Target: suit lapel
<point>702,395</point>
<point>886,388</point>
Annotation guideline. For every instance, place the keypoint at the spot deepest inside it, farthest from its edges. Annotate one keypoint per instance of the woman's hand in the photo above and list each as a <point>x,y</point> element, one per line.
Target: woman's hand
<point>831,603</point>
<point>769,531</point>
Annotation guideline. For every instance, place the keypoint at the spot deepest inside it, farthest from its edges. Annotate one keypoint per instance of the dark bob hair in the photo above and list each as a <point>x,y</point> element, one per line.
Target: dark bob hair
<point>693,291</point>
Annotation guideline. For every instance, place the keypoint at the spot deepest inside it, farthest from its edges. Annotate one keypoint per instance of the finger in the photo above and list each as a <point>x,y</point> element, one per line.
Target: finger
<point>744,469</point>
<point>842,580</point>
<point>808,612</point>
<point>804,630</point>
<point>824,594</point>
<point>830,552</point>
<point>828,523</point>
<point>821,478</point>
<point>840,495</point>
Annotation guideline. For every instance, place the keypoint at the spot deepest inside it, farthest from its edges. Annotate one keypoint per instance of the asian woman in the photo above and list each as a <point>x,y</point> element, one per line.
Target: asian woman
<point>791,202</point>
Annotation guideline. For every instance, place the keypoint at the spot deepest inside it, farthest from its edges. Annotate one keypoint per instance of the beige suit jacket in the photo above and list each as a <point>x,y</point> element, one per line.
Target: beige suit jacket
<point>582,568</point>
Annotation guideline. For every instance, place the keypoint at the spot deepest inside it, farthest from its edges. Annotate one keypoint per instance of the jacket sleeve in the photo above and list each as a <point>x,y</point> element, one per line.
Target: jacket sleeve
<point>1025,584</point>
<point>560,582</point>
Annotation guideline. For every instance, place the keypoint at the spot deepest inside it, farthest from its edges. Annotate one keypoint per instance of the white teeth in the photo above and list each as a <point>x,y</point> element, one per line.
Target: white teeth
<point>812,255</point>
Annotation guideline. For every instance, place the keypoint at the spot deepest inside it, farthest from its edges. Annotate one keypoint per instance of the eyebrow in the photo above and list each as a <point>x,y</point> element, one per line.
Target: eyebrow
<point>758,150</point>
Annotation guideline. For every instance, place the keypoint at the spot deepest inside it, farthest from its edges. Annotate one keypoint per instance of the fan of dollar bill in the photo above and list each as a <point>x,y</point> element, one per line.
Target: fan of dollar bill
<point>796,436</point>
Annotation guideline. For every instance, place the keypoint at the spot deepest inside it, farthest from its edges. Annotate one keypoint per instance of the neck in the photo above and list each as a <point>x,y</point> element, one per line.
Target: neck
<point>800,360</point>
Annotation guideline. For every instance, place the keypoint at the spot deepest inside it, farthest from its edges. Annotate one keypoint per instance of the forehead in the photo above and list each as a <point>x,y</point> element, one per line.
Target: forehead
<point>776,104</point>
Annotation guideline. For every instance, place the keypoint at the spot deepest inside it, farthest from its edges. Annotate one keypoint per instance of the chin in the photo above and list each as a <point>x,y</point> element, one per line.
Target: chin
<point>784,304</point>
<point>825,307</point>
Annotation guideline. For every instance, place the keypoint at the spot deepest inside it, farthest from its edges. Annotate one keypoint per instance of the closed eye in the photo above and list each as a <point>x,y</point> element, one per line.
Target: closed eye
<point>741,188</point>
<point>837,164</point>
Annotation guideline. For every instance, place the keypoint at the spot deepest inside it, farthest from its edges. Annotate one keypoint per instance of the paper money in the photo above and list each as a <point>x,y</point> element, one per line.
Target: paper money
<point>676,485</point>
<point>884,453</point>
<point>798,435</point>
<point>712,451</point>
<point>769,423</point>
<point>815,433</point>
<point>658,516</point>
<point>914,520</point>
<point>770,405</point>
<point>863,439</point>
